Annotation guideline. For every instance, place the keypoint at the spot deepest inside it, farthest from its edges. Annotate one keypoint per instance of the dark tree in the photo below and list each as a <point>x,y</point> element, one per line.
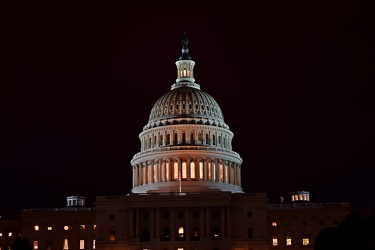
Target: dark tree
<point>21,244</point>
<point>354,232</point>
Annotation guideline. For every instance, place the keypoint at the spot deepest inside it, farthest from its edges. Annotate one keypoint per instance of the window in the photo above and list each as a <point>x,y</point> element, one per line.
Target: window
<point>288,240</point>
<point>249,214</point>
<point>221,172</point>
<point>192,170</point>
<point>167,171</point>
<point>181,232</point>
<point>49,245</point>
<point>81,244</point>
<point>1,234</point>
<point>35,244</point>
<point>180,215</point>
<point>195,232</point>
<point>82,227</point>
<point>66,228</point>
<point>36,228</point>
<point>195,215</point>
<point>274,224</point>
<point>112,235</point>
<point>250,233</point>
<point>49,228</point>
<point>305,241</point>
<point>274,241</point>
<point>201,170</point>
<point>145,216</point>
<point>112,216</point>
<point>321,222</point>
<point>94,226</point>
<point>226,173</point>
<point>93,244</point>
<point>209,171</point>
<point>10,234</point>
<point>65,245</point>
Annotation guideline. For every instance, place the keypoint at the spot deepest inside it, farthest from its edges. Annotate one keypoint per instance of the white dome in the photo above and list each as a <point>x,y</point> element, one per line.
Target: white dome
<point>186,145</point>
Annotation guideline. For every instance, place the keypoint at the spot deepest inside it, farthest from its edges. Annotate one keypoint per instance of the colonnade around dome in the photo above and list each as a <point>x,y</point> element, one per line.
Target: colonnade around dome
<point>186,169</point>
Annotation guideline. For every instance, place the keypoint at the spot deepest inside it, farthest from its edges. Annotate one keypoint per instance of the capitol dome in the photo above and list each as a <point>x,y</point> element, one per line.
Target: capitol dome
<point>186,104</point>
<point>186,146</point>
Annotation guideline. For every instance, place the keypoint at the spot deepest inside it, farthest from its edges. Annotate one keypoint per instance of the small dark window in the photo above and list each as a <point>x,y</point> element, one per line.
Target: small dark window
<point>145,216</point>
<point>166,216</point>
<point>195,215</point>
<point>180,215</point>
<point>112,216</point>
<point>249,214</point>
<point>250,233</point>
<point>321,222</point>
<point>215,215</point>
<point>335,222</point>
<point>304,223</point>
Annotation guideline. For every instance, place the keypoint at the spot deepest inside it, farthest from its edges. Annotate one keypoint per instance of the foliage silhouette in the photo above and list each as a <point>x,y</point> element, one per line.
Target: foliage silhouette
<point>354,232</point>
<point>21,244</point>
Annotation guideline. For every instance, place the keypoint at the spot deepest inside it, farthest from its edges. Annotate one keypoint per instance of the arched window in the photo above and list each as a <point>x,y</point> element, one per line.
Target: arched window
<point>192,170</point>
<point>226,173</point>
<point>221,171</point>
<point>175,170</point>
<point>148,174</point>
<point>183,138</point>
<point>175,138</point>
<point>168,139</point>
<point>166,171</point>
<point>201,170</point>
<point>209,170</point>
<point>214,171</point>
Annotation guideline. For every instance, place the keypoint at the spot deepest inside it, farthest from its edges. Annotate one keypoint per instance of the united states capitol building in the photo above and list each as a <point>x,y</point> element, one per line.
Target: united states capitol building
<point>186,192</point>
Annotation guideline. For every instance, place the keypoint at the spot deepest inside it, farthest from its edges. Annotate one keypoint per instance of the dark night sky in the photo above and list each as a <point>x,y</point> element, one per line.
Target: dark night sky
<point>294,81</point>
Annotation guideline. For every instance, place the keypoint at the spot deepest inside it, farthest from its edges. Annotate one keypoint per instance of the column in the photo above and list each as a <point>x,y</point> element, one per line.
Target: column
<point>201,218</point>
<point>239,175</point>
<point>187,228</point>
<point>152,223</point>
<point>229,220</point>
<point>172,229</point>
<point>223,234</point>
<point>130,224</point>
<point>208,222</point>
<point>137,223</point>
<point>157,223</point>
<point>188,161</point>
